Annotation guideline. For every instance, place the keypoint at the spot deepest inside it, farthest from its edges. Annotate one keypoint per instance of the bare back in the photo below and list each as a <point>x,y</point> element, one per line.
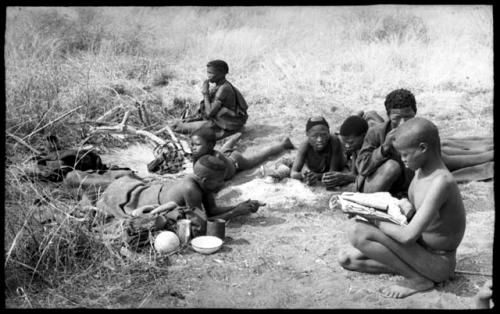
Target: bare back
<point>446,228</point>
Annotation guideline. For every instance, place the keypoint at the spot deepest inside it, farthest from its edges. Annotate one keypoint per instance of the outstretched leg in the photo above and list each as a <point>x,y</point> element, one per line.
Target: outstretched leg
<point>454,162</point>
<point>478,143</point>
<point>190,127</point>
<point>479,172</point>
<point>259,157</point>
<point>231,142</point>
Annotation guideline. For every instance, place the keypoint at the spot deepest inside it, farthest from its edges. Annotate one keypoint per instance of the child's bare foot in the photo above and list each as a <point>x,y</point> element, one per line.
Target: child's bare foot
<point>287,144</point>
<point>407,287</point>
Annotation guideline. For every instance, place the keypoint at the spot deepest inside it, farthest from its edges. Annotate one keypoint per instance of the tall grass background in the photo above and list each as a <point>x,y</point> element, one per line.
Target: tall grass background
<point>289,62</point>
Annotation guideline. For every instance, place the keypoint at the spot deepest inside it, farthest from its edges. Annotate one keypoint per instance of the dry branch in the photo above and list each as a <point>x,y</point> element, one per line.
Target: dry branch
<point>24,143</point>
<point>469,272</point>
<point>52,122</point>
<point>109,112</point>
<point>126,129</point>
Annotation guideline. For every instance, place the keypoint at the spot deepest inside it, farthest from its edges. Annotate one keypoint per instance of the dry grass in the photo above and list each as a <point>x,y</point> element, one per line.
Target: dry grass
<point>288,62</point>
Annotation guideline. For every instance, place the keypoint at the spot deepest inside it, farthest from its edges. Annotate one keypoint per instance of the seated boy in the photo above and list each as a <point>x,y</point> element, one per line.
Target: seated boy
<point>424,250</point>
<point>203,143</point>
<point>352,133</point>
<point>131,196</point>
<point>320,153</point>
<point>378,163</point>
<point>223,108</point>
<point>380,168</point>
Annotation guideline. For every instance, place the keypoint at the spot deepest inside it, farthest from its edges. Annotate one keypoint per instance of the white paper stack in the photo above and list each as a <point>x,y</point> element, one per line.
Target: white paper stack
<point>379,205</point>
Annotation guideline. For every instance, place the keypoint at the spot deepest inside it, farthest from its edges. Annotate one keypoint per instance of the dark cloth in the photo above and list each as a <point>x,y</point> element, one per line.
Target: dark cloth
<point>55,165</point>
<point>232,114</point>
<point>319,162</point>
<point>321,121</point>
<point>370,158</point>
<point>127,193</point>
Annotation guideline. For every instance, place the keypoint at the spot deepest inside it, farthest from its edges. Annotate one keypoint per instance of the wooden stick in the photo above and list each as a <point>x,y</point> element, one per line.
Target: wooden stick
<point>123,124</point>
<point>467,272</point>
<point>24,143</point>
<point>124,128</point>
<point>109,112</point>
<point>146,114</point>
<point>174,138</point>
<point>52,122</point>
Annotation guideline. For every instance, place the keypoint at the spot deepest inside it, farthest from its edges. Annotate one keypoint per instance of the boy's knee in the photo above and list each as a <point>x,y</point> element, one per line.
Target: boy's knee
<point>358,235</point>
<point>390,168</point>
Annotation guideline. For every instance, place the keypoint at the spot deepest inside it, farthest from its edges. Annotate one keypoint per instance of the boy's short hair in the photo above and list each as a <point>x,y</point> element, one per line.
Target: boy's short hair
<point>419,130</point>
<point>208,134</point>
<point>219,65</point>
<point>209,166</point>
<point>317,120</point>
<point>400,98</point>
<point>354,125</point>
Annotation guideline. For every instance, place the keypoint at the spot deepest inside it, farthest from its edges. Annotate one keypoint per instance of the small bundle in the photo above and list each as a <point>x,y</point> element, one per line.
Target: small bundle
<point>170,157</point>
<point>379,206</point>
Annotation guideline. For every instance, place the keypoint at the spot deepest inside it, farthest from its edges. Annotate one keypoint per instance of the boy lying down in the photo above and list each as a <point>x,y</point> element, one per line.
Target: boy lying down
<point>319,154</point>
<point>424,250</point>
<point>130,196</point>
<point>203,143</point>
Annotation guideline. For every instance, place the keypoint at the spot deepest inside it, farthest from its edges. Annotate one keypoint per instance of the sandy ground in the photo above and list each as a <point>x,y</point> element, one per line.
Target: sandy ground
<point>285,256</point>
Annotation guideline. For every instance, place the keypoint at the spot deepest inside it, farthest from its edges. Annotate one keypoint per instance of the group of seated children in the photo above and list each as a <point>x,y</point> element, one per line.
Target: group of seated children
<point>369,157</point>
<point>403,155</point>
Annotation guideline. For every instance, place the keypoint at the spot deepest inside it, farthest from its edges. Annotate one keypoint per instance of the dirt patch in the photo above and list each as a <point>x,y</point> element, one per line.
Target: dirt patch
<point>285,256</point>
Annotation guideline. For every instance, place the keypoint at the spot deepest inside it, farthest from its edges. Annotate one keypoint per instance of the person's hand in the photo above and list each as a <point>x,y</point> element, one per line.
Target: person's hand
<point>310,177</point>
<point>389,138</point>
<point>249,206</point>
<point>335,178</point>
<point>406,207</point>
<point>205,87</point>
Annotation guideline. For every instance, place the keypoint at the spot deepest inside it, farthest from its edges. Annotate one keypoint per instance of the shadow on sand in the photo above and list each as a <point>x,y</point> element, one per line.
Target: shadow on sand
<point>255,221</point>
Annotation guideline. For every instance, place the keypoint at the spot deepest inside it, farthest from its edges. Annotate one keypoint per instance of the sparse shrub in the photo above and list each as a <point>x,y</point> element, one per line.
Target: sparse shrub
<point>389,27</point>
<point>162,79</point>
<point>402,28</point>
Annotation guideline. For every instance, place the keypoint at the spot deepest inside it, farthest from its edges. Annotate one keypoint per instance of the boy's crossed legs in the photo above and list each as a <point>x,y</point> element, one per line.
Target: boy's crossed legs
<point>377,253</point>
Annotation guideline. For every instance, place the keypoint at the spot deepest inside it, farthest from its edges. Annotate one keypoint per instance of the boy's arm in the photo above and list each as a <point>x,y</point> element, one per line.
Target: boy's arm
<point>228,212</point>
<point>370,155</point>
<point>435,198</point>
<point>216,104</point>
<point>299,161</point>
<point>193,197</point>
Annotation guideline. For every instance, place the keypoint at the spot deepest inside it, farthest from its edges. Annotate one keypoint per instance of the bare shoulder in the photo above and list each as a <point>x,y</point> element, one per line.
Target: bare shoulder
<point>444,177</point>
<point>303,147</point>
